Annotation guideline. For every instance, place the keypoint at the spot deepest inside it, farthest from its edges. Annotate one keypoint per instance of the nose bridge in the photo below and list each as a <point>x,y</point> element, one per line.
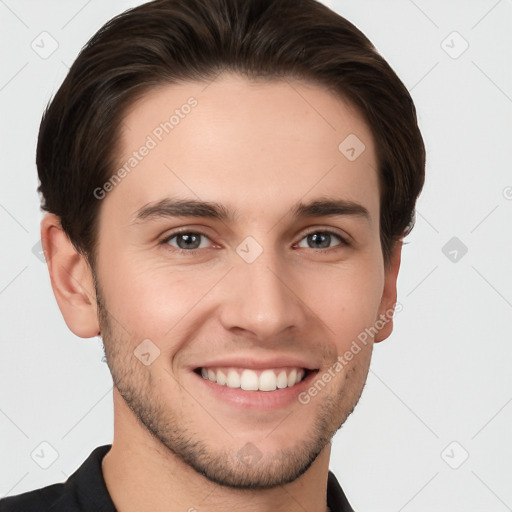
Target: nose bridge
<point>261,300</point>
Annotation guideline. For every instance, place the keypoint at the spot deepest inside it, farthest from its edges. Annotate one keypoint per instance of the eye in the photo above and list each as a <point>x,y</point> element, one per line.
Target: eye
<point>187,240</point>
<point>321,240</point>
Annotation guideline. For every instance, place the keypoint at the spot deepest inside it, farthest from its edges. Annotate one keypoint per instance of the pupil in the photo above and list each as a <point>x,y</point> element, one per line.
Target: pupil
<point>320,239</point>
<point>188,240</point>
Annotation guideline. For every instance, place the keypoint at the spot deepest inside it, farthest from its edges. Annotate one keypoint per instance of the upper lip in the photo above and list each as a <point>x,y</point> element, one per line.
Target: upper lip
<point>257,364</point>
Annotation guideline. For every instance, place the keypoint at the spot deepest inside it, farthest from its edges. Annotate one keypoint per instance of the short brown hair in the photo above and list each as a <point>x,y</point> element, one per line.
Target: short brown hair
<point>172,41</point>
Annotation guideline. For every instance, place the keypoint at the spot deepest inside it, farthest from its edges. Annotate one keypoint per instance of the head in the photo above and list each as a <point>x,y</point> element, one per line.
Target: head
<point>228,185</point>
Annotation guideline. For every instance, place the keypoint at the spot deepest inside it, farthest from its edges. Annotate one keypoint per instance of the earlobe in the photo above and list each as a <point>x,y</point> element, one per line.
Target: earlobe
<point>71,279</point>
<point>389,294</point>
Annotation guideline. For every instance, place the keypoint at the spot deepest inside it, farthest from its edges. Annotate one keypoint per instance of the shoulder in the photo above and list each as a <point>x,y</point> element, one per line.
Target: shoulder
<point>83,491</point>
<point>336,499</point>
<point>33,501</point>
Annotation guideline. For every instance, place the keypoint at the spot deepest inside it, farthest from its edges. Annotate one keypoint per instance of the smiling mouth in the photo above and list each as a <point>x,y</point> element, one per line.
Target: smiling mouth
<point>254,380</point>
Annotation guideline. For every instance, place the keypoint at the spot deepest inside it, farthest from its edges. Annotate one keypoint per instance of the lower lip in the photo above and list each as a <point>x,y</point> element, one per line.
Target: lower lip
<point>262,400</point>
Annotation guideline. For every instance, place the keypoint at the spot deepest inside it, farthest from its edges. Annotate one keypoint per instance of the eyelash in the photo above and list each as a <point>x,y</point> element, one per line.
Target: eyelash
<point>194,252</point>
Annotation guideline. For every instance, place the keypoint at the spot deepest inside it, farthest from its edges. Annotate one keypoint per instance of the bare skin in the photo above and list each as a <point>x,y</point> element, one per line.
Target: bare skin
<point>258,149</point>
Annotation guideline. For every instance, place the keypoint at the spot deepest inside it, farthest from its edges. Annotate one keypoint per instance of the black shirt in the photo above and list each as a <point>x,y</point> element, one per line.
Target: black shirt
<point>85,491</point>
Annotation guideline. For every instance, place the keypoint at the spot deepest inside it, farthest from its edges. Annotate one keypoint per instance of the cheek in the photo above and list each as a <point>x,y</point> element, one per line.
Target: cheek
<point>150,300</point>
<point>347,300</point>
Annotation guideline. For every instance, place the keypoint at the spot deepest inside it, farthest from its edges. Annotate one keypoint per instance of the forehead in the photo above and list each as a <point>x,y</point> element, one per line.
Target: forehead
<point>251,145</point>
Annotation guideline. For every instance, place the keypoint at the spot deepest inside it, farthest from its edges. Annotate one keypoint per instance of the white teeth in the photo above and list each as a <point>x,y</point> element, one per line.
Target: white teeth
<point>221,378</point>
<point>268,380</point>
<point>282,380</point>
<point>233,380</point>
<point>249,380</point>
<point>292,377</point>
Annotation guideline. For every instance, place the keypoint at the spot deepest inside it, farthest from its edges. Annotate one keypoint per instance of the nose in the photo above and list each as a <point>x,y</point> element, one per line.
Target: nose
<point>261,300</point>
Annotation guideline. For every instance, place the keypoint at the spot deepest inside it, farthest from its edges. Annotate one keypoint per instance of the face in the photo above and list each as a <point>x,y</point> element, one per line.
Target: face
<point>241,249</point>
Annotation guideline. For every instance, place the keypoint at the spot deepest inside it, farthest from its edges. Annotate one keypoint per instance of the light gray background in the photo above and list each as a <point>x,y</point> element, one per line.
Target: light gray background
<point>439,389</point>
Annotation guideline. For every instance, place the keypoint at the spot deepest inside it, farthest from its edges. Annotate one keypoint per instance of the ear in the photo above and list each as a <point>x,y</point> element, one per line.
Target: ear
<point>71,279</point>
<point>388,301</point>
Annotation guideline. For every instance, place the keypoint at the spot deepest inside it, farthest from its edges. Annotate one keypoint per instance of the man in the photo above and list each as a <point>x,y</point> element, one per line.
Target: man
<point>227,183</point>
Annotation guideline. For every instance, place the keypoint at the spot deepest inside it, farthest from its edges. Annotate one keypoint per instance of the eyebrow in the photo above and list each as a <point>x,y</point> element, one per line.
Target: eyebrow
<point>168,207</point>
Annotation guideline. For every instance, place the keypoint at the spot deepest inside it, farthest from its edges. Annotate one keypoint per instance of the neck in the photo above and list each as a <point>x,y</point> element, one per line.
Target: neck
<point>142,475</point>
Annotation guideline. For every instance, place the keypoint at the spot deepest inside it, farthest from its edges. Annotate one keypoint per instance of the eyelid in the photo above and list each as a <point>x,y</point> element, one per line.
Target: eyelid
<point>179,231</point>
<point>345,239</point>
